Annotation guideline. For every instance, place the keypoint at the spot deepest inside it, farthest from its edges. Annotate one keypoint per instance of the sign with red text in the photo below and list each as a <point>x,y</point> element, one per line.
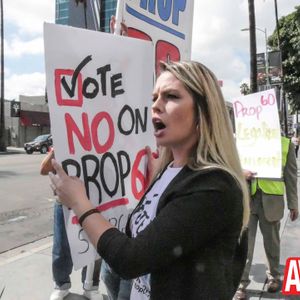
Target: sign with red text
<point>257,133</point>
<point>99,87</point>
<point>291,281</point>
<point>167,24</point>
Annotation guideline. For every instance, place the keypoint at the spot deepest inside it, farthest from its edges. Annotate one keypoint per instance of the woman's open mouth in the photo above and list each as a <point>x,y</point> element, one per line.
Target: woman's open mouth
<point>159,126</point>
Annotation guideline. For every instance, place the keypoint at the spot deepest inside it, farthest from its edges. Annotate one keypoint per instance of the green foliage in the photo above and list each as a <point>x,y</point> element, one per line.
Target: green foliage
<point>289,32</point>
<point>244,89</point>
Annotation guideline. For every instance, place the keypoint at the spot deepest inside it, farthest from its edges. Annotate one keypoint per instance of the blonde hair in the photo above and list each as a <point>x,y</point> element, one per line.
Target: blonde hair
<point>216,146</point>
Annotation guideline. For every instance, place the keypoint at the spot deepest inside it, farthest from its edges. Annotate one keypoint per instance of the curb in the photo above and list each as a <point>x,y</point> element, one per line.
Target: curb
<point>12,150</point>
<point>26,250</point>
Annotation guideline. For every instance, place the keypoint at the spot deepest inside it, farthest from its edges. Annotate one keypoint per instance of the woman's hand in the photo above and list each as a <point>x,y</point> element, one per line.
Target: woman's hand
<point>249,174</point>
<point>152,165</point>
<point>69,189</point>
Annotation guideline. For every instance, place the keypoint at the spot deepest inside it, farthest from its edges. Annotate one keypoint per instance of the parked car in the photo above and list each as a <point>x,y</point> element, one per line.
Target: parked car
<point>41,143</point>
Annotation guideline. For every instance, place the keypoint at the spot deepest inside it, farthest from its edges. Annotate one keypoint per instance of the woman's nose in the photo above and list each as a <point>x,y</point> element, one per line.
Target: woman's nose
<point>156,106</point>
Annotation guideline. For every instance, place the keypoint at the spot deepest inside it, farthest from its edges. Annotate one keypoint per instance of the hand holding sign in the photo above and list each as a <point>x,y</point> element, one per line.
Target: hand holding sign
<point>112,24</point>
<point>69,189</point>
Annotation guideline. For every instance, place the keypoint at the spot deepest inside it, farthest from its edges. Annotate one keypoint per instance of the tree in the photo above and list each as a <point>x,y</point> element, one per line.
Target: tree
<point>289,38</point>
<point>2,116</point>
<point>245,89</point>
<point>84,8</point>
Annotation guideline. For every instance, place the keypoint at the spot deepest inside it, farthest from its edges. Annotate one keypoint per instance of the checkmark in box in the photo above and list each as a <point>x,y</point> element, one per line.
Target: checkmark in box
<point>72,101</point>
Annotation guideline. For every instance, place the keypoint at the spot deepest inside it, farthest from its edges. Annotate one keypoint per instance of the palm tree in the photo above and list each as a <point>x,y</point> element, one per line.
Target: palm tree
<point>84,8</point>
<point>2,116</point>
<point>253,62</point>
<point>244,89</point>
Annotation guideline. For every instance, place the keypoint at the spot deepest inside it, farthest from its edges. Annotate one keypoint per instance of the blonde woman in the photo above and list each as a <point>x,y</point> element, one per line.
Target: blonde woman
<point>182,236</point>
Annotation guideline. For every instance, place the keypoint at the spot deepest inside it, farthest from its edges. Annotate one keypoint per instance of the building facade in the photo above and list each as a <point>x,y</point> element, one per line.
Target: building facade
<point>95,15</point>
<point>25,119</point>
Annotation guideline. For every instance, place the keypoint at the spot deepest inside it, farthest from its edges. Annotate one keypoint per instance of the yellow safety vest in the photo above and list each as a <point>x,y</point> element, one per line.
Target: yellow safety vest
<point>273,187</point>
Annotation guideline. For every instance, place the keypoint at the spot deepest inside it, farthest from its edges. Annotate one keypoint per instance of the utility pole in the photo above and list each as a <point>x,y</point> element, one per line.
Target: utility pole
<point>2,115</point>
<point>253,60</point>
<point>277,24</point>
<point>284,108</point>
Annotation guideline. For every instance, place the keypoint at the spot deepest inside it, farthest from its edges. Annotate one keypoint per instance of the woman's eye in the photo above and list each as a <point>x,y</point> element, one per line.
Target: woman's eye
<point>154,99</point>
<point>172,96</point>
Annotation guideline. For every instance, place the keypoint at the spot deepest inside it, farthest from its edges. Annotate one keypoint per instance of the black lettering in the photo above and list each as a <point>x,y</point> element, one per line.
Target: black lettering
<point>85,85</point>
<point>91,178</point>
<point>121,114</point>
<point>71,91</point>
<point>123,171</point>
<point>115,81</point>
<point>139,121</point>
<point>80,237</point>
<point>102,71</point>
<point>106,156</point>
<point>71,162</point>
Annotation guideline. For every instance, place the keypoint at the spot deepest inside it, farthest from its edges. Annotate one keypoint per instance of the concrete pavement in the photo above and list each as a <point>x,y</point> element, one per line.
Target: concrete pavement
<point>12,150</point>
<point>25,272</point>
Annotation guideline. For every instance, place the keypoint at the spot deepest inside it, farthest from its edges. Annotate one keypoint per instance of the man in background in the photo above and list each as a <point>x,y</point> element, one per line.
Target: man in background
<point>267,208</point>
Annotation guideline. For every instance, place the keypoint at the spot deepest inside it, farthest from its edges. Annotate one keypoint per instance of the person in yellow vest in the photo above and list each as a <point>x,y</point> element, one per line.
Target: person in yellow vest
<point>267,208</point>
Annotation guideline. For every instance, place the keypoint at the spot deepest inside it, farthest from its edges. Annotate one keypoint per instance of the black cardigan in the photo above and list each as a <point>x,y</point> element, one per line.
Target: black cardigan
<point>189,247</point>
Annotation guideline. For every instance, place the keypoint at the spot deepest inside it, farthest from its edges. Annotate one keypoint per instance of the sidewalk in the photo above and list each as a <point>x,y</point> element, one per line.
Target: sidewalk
<point>25,273</point>
<point>13,150</point>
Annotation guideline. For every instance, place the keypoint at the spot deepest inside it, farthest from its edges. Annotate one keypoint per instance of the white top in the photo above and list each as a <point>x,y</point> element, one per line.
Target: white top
<point>141,219</point>
<point>295,140</point>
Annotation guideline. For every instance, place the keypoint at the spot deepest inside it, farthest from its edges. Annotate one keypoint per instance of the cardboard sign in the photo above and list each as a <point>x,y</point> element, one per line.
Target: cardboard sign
<point>167,24</point>
<point>99,88</point>
<point>258,133</point>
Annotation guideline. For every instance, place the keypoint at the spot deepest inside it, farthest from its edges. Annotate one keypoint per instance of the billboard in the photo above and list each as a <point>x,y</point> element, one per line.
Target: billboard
<point>274,67</point>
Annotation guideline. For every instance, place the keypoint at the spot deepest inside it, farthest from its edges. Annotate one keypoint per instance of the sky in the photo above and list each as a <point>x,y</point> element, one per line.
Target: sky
<point>217,42</point>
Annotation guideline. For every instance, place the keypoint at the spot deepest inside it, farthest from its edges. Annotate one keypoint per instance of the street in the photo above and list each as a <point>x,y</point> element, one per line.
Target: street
<point>26,210</point>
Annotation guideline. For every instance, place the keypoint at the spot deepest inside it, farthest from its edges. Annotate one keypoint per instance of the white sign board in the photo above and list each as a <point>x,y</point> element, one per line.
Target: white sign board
<point>168,24</point>
<point>99,89</point>
<point>258,133</point>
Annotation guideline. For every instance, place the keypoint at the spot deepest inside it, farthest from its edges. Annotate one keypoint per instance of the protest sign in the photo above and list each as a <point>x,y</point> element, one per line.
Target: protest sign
<point>168,24</point>
<point>99,89</point>
<point>258,136</point>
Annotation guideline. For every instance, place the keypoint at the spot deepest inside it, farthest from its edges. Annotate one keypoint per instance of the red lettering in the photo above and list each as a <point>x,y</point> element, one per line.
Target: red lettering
<point>270,100</point>
<point>72,128</point>
<point>136,174</point>
<point>135,33</point>
<point>241,111</point>
<point>106,206</point>
<point>111,132</point>
<point>165,51</point>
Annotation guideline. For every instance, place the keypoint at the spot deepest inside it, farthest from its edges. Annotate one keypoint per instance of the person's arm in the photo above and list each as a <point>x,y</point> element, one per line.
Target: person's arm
<point>290,180</point>
<point>46,165</point>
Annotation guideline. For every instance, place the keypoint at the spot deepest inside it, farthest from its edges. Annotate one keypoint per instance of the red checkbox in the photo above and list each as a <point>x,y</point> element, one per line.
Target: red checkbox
<point>58,88</point>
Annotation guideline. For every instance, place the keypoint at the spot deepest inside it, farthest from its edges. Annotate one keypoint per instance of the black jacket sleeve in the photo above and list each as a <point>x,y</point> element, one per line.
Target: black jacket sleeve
<point>190,220</point>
